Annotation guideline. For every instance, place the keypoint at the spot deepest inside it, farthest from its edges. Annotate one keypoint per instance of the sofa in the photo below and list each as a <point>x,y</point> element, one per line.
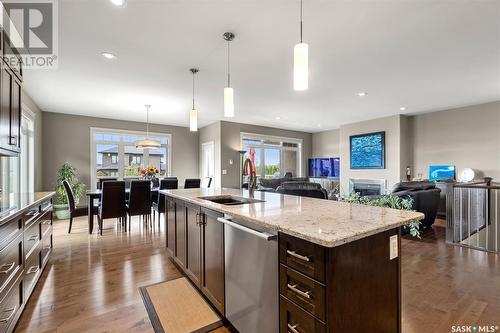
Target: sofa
<point>271,185</point>
<point>425,197</point>
<point>303,189</point>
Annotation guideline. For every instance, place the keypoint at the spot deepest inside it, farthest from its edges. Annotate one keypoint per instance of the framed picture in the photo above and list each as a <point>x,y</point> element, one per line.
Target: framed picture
<point>368,151</point>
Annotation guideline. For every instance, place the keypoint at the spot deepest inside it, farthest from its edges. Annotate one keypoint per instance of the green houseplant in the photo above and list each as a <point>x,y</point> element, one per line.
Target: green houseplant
<point>390,201</point>
<point>66,172</point>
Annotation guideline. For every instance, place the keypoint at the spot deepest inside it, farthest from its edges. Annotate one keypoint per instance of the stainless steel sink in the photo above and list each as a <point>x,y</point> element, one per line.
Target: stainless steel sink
<point>230,200</point>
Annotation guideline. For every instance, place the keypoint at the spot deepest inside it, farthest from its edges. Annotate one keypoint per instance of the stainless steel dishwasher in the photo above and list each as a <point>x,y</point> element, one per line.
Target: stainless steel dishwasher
<point>251,277</point>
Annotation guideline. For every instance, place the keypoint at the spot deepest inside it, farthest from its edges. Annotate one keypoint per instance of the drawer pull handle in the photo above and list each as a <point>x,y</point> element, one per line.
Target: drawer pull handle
<point>293,287</point>
<point>46,222</point>
<point>32,213</point>
<point>33,238</point>
<point>6,320</point>
<point>298,256</point>
<point>11,267</point>
<point>292,328</point>
<point>33,270</point>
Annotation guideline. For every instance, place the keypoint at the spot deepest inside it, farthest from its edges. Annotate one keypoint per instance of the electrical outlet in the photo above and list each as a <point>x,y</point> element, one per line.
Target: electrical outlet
<point>230,162</point>
<point>224,172</point>
<point>393,247</point>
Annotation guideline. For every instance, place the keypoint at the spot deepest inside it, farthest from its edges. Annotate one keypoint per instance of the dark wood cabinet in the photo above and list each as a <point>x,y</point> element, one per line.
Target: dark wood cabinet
<point>213,258</point>
<point>196,241</point>
<point>193,241</point>
<point>10,100</point>
<point>25,247</point>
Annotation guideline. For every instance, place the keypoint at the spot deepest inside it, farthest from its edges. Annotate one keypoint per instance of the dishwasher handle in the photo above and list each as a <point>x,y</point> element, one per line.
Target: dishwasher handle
<point>264,235</point>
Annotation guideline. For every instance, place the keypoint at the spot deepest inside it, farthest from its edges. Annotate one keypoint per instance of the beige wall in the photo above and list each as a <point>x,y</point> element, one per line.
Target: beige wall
<point>66,138</point>
<point>326,144</point>
<point>231,143</point>
<point>212,133</point>
<point>467,137</point>
<point>392,172</point>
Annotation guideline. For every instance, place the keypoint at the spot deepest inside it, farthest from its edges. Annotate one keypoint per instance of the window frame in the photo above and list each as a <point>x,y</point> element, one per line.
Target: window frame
<point>280,139</point>
<point>95,130</point>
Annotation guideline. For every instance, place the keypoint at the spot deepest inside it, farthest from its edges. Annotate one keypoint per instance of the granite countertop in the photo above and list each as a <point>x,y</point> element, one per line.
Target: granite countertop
<point>13,203</point>
<point>324,222</point>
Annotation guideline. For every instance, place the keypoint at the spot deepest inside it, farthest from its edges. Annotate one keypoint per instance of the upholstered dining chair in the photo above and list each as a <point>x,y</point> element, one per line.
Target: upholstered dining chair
<point>112,203</point>
<point>192,183</point>
<point>139,203</point>
<point>75,211</point>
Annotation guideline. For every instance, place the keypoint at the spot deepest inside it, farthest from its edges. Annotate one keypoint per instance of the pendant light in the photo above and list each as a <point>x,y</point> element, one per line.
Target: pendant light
<point>228,91</point>
<point>193,114</point>
<point>301,62</point>
<point>147,143</point>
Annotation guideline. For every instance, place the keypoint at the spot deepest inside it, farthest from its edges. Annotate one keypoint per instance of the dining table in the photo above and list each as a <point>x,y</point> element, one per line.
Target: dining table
<point>93,195</point>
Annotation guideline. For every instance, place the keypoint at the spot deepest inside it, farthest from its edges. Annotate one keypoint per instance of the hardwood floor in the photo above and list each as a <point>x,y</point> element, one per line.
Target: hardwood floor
<point>91,282</point>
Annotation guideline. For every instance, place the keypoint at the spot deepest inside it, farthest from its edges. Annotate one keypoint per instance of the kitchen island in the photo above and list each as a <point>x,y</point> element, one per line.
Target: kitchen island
<point>280,263</point>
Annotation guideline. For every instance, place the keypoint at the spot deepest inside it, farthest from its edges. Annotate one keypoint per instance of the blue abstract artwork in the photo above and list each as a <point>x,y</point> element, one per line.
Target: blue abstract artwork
<point>368,151</point>
<point>441,172</point>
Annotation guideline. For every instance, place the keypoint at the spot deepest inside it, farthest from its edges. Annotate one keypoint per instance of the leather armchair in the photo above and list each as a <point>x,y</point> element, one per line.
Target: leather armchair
<point>425,197</point>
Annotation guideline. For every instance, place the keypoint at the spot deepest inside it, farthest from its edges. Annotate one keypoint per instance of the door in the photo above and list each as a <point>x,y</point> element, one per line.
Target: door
<point>208,161</point>
<point>193,236</point>
<point>170,226</point>
<point>15,116</point>
<point>213,264</point>
<point>180,233</point>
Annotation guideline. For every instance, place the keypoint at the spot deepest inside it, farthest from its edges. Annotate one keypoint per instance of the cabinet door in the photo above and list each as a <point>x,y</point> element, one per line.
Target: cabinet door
<point>180,233</point>
<point>213,264</point>
<point>193,263</point>
<point>15,116</point>
<point>170,229</point>
<point>5,106</point>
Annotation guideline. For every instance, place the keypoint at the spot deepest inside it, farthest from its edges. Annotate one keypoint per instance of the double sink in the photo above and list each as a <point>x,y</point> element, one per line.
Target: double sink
<point>230,200</point>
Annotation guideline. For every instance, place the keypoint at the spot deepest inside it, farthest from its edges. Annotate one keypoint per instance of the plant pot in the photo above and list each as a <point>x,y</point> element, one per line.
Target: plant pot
<point>61,211</point>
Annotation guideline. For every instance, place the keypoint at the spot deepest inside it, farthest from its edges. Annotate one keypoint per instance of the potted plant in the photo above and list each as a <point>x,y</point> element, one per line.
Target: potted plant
<point>66,172</point>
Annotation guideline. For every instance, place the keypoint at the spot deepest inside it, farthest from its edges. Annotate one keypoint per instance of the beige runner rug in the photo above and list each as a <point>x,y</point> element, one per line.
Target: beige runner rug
<point>175,306</point>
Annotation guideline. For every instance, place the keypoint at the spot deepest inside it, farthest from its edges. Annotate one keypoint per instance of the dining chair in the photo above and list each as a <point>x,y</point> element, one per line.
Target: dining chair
<point>75,211</point>
<point>155,182</point>
<point>159,206</point>
<point>192,183</point>
<point>207,182</point>
<point>102,180</point>
<point>139,203</point>
<point>112,203</point>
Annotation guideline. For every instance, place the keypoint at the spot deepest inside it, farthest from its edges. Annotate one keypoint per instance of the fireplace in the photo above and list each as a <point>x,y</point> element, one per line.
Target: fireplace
<point>367,186</point>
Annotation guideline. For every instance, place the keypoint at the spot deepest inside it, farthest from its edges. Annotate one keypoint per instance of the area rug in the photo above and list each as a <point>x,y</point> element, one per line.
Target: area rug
<point>175,306</point>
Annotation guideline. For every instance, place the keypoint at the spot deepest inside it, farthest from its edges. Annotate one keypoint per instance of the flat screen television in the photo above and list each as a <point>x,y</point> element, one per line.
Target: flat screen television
<point>324,167</point>
<point>441,172</point>
<point>368,151</point>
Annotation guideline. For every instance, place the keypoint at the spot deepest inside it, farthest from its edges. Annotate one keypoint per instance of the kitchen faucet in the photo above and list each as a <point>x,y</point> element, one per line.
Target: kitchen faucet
<point>252,181</point>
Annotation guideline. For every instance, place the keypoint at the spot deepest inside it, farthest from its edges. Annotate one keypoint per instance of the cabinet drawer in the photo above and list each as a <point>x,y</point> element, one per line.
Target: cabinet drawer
<point>303,256</point>
<point>32,270</point>
<point>32,237</point>
<point>31,215</point>
<point>10,230</point>
<point>304,291</point>
<point>46,247</point>
<point>11,261</point>
<point>11,305</point>
<point>295,320</point>
<point>46,223</point>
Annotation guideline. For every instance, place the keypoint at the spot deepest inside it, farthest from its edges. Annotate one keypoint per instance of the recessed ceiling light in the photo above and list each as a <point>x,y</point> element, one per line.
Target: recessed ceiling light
<point>278,118</point>
<point>108,55</point>
<point>362,94</point>
<point>403,108</point>
<point>118,3</point>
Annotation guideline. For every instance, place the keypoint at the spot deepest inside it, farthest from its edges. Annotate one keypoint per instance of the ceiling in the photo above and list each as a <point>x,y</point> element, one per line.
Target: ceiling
<point>426,55</point>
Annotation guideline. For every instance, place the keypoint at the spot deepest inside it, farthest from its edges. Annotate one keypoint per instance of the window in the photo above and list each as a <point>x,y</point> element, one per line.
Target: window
<point>114,154</point>
<point>273,157</point>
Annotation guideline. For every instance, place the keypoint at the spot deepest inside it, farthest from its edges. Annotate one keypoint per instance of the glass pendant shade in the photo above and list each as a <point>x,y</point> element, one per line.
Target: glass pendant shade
<point>193,120</point>
<point>301,67</point>
<point>147,143</point>
<point>228,102</point>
